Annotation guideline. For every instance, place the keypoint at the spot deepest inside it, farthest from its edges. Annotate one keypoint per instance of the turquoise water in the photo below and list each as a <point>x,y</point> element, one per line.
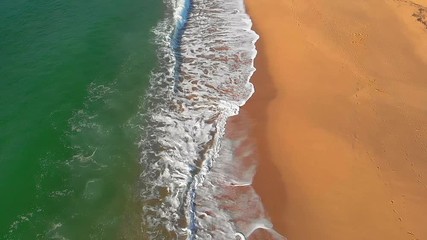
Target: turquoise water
<point>72,78</point>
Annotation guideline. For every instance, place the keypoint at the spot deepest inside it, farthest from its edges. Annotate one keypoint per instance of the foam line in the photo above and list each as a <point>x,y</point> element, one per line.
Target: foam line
<point>206,51</point>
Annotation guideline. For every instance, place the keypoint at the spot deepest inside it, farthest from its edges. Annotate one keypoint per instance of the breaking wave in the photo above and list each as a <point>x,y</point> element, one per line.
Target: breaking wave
<point>193,184</point>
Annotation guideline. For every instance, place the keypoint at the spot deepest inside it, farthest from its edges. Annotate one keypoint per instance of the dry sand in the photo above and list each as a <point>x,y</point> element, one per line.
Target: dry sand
<point>340,114</point>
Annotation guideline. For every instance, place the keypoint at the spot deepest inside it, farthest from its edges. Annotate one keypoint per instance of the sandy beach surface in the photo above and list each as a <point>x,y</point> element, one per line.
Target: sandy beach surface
<point>340,117</point>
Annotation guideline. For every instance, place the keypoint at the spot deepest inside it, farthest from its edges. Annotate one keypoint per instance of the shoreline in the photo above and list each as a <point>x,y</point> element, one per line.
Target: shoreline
<point>340,118</point>
<point>252,117</point>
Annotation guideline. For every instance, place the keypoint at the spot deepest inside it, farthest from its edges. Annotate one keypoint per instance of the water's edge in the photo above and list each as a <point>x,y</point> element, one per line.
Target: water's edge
<point>193,184</point>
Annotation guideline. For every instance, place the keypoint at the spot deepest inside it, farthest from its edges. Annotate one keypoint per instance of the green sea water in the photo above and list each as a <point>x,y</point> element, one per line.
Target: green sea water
<point>72,78</point>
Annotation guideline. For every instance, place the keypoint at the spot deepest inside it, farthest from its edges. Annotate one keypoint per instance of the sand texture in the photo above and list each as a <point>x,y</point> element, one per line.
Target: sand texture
<point>340,117</point>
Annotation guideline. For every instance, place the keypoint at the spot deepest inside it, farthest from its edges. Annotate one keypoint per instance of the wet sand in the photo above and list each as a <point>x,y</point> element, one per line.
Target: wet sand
<point>340,117</point>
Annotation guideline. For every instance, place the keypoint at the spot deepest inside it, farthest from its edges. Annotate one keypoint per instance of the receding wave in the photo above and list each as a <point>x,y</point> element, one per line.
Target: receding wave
<point>193,185</point>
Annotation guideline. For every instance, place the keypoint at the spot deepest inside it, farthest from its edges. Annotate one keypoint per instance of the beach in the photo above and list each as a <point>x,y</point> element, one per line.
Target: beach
<point>147,120</point>
<point>340,117</point>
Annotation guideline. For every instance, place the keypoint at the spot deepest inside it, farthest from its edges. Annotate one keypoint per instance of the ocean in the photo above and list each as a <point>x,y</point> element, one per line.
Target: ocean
<point>113,118</point>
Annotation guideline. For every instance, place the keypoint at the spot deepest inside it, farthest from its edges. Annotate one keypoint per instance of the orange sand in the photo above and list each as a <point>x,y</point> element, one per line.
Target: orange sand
<point>340,115</point>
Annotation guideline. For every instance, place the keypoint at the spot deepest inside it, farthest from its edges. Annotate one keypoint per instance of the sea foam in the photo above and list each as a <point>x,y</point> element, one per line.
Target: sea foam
<point>193,185</point>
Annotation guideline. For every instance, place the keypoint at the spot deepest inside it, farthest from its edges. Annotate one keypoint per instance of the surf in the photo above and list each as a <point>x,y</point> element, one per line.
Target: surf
<point>206,51</point>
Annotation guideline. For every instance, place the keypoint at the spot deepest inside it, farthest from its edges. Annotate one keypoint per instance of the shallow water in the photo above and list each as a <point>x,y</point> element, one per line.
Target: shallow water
<point>192,184</point>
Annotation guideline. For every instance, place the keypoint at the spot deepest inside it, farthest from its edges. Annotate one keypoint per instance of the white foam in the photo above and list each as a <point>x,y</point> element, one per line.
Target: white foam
<point>179,8</point>
<point>192,184</point>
